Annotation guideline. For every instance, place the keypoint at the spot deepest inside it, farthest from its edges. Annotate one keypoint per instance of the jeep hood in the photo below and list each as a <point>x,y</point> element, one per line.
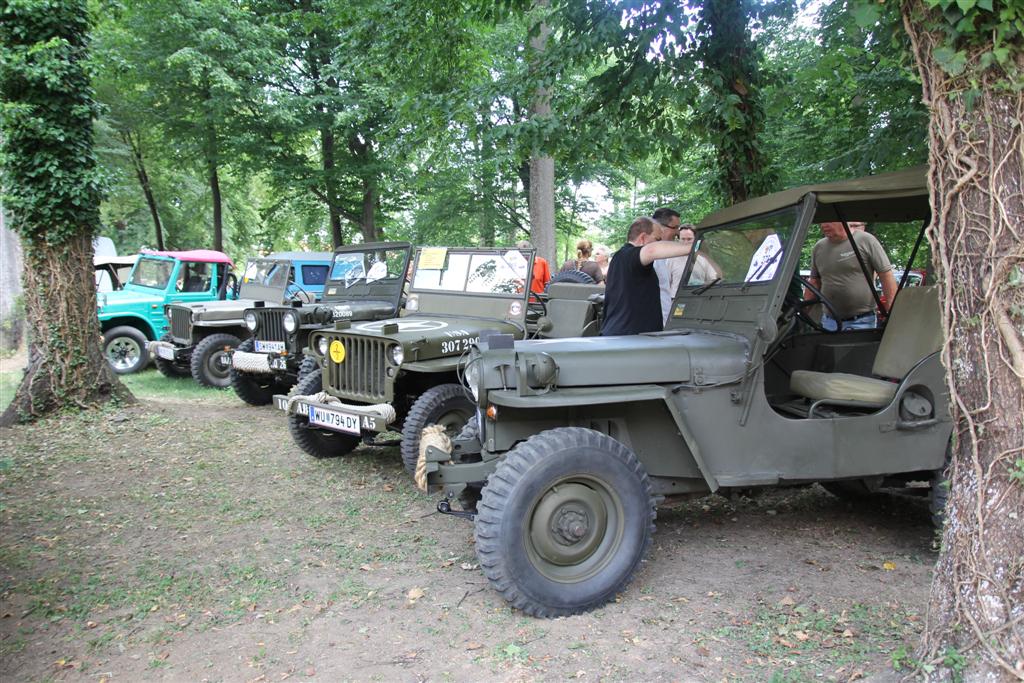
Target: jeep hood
<point>218,310</point>
<point>662,358</point>
<point>127,299</point>
<point>429,337</point>
<point>356,310</point>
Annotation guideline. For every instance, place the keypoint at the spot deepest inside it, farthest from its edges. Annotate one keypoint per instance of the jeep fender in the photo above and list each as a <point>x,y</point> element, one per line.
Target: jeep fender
<point>620,396</point>
<point>135,321</point>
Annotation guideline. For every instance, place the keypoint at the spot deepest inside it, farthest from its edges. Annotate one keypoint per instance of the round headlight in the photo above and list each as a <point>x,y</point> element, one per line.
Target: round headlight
<point>290,322</point>
<point>472,378</point>
<point>322,344</point>
<point>250,321</point>
<point>396,353</point>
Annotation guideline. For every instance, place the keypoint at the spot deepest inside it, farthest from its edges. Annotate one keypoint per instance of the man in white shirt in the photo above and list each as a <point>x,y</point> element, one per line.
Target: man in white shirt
<point>670,270</point>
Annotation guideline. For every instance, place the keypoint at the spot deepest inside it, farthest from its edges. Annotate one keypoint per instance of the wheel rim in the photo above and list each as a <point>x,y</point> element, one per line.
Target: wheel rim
<point>123,353</point>
<point>575,528</point>
<point>453,421</point>
<point>214,366</point>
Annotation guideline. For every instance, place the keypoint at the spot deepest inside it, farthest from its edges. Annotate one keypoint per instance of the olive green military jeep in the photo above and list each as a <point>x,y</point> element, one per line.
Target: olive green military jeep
<point>404,371</point>
<point>202,335</point>
<point>364,283</point>
<point>578,440</point>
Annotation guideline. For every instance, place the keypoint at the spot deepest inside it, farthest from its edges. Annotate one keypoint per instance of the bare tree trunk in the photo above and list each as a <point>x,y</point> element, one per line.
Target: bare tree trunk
<point>147,191</point>
<point>367,223</point>
<point>976,156</point>
<point>218,221</point>
<point>542,166</point>
<point>330,186</point>
<point>65,363</point>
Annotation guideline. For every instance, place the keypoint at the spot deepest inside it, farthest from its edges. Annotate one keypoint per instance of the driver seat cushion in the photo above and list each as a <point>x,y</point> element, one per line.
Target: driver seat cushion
<point>913,332</point>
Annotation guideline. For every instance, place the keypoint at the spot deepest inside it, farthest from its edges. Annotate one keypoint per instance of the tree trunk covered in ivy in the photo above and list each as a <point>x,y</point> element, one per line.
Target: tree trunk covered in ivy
<point>971,85</point>
<point>51,191</point>
<point>732,112</point>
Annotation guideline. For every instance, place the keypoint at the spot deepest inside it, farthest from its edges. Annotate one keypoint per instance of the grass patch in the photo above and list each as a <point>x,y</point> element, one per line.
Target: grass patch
<point>151,384</point>
<point>806,638</point>
<point>8,385</point>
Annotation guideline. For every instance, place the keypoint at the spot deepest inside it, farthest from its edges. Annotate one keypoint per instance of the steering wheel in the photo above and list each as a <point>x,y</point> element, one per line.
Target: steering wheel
<point>798,307</point>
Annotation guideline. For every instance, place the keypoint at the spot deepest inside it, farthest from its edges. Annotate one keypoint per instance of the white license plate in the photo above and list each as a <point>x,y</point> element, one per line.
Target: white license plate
<point>279,363</point>
<point>334,420</point>
<point>269,346</point>
<point>165,352</point>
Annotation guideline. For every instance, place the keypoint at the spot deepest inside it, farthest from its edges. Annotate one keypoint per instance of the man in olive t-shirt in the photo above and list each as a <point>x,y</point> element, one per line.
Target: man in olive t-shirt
<point>836,271</point>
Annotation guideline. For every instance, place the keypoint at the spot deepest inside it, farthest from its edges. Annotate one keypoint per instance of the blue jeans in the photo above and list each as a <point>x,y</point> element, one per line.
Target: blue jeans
<point>865,321</point>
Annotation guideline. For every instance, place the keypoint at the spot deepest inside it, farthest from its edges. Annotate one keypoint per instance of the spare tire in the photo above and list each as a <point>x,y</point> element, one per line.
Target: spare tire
<point>577,276</point>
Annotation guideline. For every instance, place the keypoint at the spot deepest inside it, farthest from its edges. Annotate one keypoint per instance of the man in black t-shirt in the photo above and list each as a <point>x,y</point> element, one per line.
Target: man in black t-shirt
<point>632,299</point>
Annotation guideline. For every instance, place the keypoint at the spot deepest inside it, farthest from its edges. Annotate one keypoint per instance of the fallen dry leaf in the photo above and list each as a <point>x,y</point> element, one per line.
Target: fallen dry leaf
<point>889,565</point>
<point>800,635</point>
<point>787,602</point>
<point>472,645</point>
<point>414,594</point>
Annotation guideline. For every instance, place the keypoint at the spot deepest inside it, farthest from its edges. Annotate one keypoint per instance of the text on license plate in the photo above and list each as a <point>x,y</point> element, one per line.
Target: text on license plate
<point>334,419</point>
<point>165,352</point>
<point>269,346</point>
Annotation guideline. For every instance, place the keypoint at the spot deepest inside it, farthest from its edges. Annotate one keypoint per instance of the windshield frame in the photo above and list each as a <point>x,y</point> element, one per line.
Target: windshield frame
<point>472,253</point>
<point>145,258</point>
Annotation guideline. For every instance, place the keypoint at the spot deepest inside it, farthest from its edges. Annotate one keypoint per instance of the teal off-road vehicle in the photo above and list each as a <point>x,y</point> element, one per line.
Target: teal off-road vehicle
<point>578,440</point>
<point>365,282</point>
<point>203,335</point>
<point>134,315</point>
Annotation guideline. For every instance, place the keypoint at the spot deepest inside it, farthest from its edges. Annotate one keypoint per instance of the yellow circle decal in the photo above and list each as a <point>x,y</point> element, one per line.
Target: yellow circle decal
<point>337,351</point>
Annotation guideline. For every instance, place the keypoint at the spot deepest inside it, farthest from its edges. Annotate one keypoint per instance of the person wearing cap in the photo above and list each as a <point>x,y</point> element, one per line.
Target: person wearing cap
<point>632,300</point>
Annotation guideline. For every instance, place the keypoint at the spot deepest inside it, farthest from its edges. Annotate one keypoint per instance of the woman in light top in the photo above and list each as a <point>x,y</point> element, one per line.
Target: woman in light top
<point>601,259</point>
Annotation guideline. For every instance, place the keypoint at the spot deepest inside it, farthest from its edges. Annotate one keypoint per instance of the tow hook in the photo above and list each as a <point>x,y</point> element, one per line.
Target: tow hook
<point>445,508</point>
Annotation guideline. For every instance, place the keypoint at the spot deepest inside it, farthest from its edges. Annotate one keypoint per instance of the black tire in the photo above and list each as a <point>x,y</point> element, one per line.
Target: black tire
<point>306,366</point>
<point>206,360</point>
<point>124,347</point>
<point>256,389</point>
<point>852,489</point>
<point>445,404</point>
<point>169,368</point>
<point>320,443</point>
<point>577,276</point>
<point>575,477</point>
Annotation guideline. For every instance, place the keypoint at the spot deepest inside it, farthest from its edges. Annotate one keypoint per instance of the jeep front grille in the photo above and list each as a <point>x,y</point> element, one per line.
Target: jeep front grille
<point>361,375</point>
<point>269,326</point>
<point>181,325</point>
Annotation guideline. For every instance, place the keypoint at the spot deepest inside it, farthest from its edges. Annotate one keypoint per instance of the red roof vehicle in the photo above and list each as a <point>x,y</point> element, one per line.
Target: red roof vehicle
<point>201,255</point>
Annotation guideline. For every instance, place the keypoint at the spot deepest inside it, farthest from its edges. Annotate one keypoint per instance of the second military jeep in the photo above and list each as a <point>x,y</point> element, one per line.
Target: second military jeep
<point>578,440</point>
<point>202,335</point>
<point>404,371</point>
<point>365,282</point>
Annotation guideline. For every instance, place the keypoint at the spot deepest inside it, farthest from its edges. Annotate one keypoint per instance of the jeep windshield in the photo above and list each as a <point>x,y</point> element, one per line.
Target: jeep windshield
<point>503,273</point>
<point>747,253</point>
<point>354,268</point>
<point>267,273</point>
<point>151,272</point>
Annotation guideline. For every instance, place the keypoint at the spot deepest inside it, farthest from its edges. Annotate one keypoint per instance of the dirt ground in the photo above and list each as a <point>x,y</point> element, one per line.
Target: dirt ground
<point>187,539</point>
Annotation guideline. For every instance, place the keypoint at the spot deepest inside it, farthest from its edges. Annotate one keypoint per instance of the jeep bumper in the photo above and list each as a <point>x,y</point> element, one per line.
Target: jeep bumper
<point>336,417</point>
<point>258,363</point>
<point>168,351</point>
